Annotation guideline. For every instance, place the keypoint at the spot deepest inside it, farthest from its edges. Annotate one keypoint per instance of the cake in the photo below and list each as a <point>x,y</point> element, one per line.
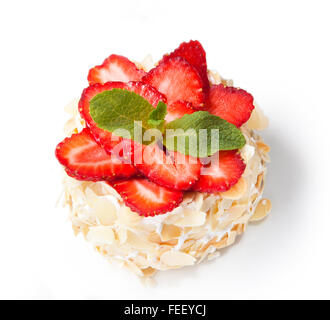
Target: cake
<point>121,208</point>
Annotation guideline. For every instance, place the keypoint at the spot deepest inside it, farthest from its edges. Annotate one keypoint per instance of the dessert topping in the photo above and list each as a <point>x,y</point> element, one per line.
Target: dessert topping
<point>229,103</point>
<point>84,159</point>
<point>115,68</point>
<point>146,197</point>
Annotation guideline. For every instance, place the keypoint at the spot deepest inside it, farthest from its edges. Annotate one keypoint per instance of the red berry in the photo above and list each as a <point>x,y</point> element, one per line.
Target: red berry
<point>147,198</point>
<point>170,169</point>
<point>178,80</point>
<point>84,159</point>
<point>219,176</point>
<point>178,109</point>
<point>232,104</point>
<point>115,68</point>
<point>195,54</point>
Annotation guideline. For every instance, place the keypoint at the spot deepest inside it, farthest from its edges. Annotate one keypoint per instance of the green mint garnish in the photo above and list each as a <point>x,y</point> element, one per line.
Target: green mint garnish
<point>157,116</point>
<point>129,115</point>
<point>206,133</point>
<point>120,110</point>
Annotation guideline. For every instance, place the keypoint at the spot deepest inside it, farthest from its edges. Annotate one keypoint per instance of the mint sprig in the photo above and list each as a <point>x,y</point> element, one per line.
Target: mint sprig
<point>129,115</point>
<point>121,111</point>
<point>157,116</point>
<point>201,134</point>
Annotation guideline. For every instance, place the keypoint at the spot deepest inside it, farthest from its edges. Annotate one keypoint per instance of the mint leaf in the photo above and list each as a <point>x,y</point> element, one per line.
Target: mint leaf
<point>121,111</point>
<point>129,115</point>
<point>156,116</point>
<point>201,134</point>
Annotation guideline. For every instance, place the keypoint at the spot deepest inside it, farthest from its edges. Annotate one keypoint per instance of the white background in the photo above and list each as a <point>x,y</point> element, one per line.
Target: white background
<point>277,50</point>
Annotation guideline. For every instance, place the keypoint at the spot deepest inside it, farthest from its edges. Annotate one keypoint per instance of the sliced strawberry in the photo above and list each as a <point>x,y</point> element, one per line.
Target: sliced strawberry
<point>146,91</point>
<point>147,198</point>
<point>219,176</point>
<point>115,68</point>
<point>84,159</point>
<point>75,176</point>
<point>103,137</point>
<point>229,103</point>
<point>171,169</point>
<point>178,109</point>
<point>195,54</point>
<point>178,80</point>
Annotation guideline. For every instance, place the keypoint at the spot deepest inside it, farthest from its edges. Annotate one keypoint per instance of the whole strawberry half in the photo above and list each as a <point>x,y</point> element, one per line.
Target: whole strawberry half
<point>178,80</point>
<point>84,159</point>
<point>169,169</point>
<point>147,198</point>
<point>103,137</point>
<point>231,104</point>
<point>195,54</point>
<point>115,68</point>
<point>221,173</point>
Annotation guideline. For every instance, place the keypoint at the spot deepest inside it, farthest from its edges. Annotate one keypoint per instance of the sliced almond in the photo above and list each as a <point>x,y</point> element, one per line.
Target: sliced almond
<point>149,272</point>
<point>84,230</point>
<point>72,107</point>
<point>127,218</point>
<point>177,259</point>
<point>187,245</point>
<point>70,126</point>
<point>213,255</point>
<point>236,191</point>
<point>133,267</point>
<point>263,147</point>
<point>102,207</point>
<point>263,208</point>
<point>236,211</point>
<point>141,261</point>
<point>75,229</point>
<point>257,121</point>
<point>259,182</point>
<point>170,231</point>
<point>191,218</point>
<point>121,235</point>
<point>209,203</point>
<point>247,152</point>
<point>239,228</point>
<point>154,237</point>
<point>254,197</point>
<point>222,243</point>
<point>147,63</point>
<point>101,235</point>
<point>211,242</point>
<point>231,237</point>
<point>139,242</point>
<point>214,77</point>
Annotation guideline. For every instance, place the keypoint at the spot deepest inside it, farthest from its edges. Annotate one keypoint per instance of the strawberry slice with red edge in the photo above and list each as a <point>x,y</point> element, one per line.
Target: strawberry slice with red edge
<point>84,159</point>
<point>178,80</point>
<point>221,173</point>
<point>178,109</point>
<point>147,198</point>
<point>169,169</point>
<point>229,103</point>
<point>195,54</point>
<point>115,68</point>
<point>103,137</point>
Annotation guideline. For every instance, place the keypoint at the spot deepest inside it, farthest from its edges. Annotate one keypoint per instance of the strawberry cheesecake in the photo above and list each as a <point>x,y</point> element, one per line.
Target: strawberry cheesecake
<point>163,164</point>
